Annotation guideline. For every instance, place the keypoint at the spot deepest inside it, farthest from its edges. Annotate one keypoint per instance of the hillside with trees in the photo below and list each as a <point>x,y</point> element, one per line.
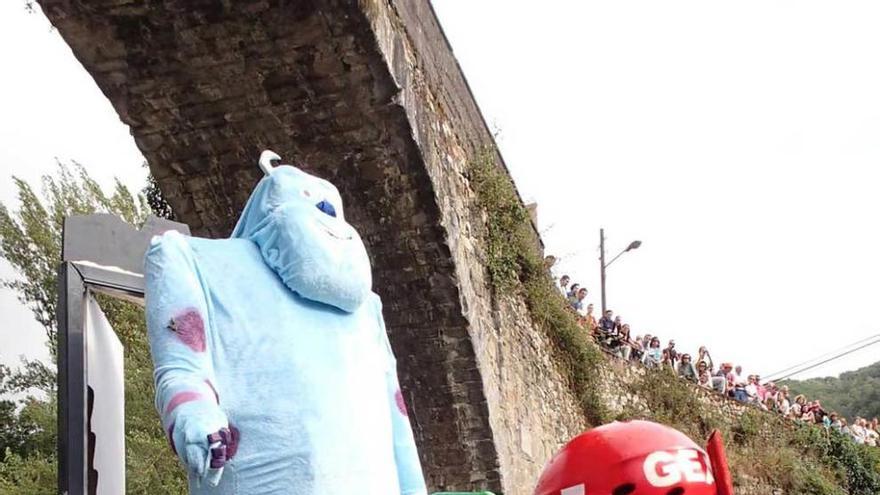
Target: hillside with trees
<point>854,393</point>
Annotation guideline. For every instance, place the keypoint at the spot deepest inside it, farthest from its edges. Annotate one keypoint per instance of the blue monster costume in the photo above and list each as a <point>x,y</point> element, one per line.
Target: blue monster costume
<point>273,370</point>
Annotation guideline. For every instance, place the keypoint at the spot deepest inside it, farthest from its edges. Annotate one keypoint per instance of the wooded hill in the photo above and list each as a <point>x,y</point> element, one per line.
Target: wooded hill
<point>854,393</point>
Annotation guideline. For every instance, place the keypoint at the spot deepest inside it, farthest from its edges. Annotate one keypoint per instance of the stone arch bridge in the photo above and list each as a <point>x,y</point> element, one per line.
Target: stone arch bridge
<point>368,94</point>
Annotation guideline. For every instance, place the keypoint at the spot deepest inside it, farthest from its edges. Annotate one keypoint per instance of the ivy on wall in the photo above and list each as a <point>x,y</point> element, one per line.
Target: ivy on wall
<point>515,266</point>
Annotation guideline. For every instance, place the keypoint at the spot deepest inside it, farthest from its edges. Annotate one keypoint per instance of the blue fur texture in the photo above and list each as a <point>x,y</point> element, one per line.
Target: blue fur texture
<point>276,335</point>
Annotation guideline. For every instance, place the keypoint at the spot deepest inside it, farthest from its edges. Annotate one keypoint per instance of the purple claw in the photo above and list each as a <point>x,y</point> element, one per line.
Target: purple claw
<point>232,446</point>
<point>214,438</point>
<point>225,435</point>
<point>218,457</point>
<point>218,452</point>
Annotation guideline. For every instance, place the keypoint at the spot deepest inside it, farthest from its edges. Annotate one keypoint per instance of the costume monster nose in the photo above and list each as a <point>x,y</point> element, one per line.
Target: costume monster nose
<point>327,208</point>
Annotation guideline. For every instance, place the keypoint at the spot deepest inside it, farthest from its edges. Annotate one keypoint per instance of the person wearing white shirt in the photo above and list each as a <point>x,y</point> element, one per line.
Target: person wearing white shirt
<point>858,431</point>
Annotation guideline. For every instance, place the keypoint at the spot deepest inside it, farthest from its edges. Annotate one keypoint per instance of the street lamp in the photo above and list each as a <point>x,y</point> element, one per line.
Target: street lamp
<point>603,265</point>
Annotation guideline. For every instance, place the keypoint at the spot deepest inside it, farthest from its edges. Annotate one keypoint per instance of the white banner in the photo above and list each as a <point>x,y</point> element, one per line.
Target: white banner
<point>106,404</point>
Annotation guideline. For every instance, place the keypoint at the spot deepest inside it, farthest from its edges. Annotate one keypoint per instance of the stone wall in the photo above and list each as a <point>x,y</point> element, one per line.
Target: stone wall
<point>531,409</point>
<point>619,376</point>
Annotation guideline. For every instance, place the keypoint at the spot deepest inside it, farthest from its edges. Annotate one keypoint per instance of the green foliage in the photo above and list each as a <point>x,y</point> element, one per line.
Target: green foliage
<point>671,401</point>
<point>511,244</point>
<point>30,240</point>
<point>158,205</point>
<point>854,393</point>
<point>748,427</point>
<point>34,475</point>
<point>780,466</point>
<point>27,424</point>
<point>515,265</point>
<point>858,466</point>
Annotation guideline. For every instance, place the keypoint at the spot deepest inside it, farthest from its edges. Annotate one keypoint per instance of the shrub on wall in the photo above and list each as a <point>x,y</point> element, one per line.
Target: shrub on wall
<point>515,266</point>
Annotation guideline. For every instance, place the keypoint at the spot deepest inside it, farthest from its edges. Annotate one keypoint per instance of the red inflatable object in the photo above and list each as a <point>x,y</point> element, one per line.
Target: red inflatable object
<point>720,469</point>
<point>633,458</point>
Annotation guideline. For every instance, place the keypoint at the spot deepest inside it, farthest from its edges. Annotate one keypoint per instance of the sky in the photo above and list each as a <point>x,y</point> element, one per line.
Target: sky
<point>737,140</point>
<point>50,108</point>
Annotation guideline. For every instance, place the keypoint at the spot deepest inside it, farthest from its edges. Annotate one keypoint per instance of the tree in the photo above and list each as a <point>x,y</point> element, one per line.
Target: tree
<point>156,200</point>
<point>30,240</point>
<point>23,423</point>
<point>853,393</point>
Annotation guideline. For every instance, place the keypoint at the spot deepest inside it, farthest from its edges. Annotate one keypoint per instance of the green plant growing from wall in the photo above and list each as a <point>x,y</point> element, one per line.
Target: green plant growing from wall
<point>670,401</point>
<point>516,266</point>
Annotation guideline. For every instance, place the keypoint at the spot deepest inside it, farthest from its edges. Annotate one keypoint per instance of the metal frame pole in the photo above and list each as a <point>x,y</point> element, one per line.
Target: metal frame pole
<point>72,429</point>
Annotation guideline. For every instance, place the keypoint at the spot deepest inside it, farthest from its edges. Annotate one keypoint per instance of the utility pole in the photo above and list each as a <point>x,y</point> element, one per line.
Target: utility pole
<point>602,265</point>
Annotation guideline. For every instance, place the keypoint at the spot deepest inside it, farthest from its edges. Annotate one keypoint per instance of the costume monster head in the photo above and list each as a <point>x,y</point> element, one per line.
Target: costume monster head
<point>298,223</point>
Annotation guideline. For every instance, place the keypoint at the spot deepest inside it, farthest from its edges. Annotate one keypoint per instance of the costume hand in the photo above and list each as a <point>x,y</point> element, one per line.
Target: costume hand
<point>200,437</point>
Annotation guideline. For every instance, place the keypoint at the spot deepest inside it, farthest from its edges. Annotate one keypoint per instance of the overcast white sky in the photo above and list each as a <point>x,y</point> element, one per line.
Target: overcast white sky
<point>737,140</point>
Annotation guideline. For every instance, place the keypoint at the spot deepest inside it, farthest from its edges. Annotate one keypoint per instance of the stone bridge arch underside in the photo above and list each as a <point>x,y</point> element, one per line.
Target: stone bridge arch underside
<point>368,95</point>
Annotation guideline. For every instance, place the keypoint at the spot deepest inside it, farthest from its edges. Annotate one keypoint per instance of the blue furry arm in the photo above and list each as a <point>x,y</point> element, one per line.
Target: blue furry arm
<point>177,325</point>
<point>406,456</point>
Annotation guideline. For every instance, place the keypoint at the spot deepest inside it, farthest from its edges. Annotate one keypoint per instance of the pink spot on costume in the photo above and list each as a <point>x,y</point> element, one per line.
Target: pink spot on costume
<point>190,328</point>
<point>401,405</point>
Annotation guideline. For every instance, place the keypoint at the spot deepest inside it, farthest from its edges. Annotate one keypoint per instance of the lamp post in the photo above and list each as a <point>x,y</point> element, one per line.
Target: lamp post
<point>603,265</point>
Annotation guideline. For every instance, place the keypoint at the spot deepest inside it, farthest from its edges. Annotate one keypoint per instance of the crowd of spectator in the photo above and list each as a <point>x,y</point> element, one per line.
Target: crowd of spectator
<point>614,337</point>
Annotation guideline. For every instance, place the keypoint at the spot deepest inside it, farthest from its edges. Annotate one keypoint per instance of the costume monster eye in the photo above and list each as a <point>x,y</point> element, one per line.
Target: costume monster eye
<point>327,207</point>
